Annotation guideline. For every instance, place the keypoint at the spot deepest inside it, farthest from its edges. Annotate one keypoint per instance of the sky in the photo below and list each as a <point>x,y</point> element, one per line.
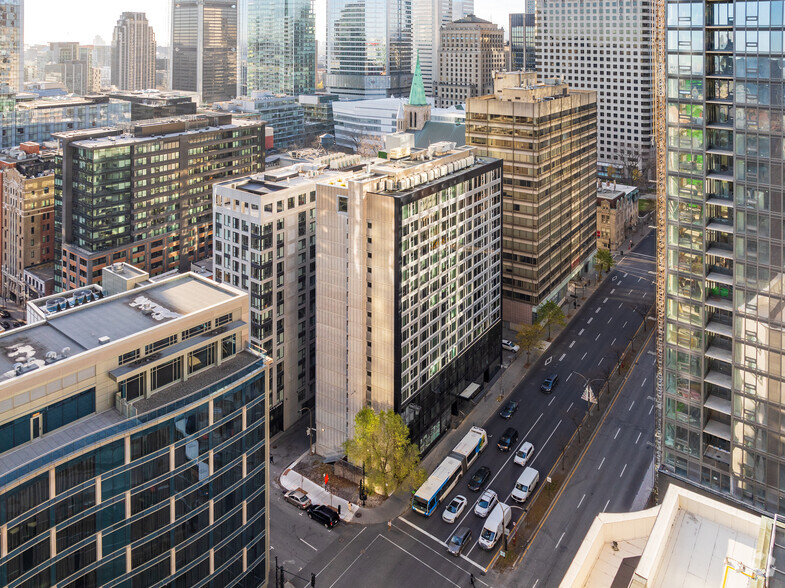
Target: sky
<point>82,20</point>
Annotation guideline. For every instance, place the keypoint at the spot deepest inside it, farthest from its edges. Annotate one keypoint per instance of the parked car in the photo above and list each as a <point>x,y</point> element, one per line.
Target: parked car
<point>508,345</point>
<point>5,314</point>
<point>486,503</point>
<point>5,325</point>
<point>322,515</point>
<point>549,383</point>
<point>458,542</point>
<point>524,453</point>
<point>508,439</point>
<point>479,479</point>
<point>454,509</point>
<point>508,409</point>
<point>298,498</point>
<point>16,324</point>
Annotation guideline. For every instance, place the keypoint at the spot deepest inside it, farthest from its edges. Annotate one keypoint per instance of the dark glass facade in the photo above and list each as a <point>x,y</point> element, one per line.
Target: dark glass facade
<point>179,499</point>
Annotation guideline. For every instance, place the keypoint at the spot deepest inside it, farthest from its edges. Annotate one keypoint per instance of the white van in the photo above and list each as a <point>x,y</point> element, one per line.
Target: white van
<point>524,453</point>
<point>525,484</point>
<point>494,526</point>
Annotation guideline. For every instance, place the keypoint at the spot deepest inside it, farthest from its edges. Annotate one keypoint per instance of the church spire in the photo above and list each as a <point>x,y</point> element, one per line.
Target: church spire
<point>417,93</point>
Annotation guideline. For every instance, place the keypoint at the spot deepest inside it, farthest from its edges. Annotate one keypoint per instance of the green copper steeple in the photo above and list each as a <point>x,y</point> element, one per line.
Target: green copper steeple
<point>417,93</point>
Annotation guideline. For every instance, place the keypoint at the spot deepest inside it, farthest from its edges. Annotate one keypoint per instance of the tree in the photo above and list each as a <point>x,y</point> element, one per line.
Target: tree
<point>381,441</point>
<point>365,145</point>
<point>549,314</point>
<point>631,162</point>
<point>611,172</point>
<point>604,260</point>
<point>528,336</point>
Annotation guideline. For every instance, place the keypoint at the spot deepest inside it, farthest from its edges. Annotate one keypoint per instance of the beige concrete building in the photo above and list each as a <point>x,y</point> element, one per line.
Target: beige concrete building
<point>133,53</point>
<point>27,230</point>
<point>264,242</point>
<point>408,289</point>
<point>546,134</point>
<point>470,51</point>
<point>617,214</point>
<point>688,540</point>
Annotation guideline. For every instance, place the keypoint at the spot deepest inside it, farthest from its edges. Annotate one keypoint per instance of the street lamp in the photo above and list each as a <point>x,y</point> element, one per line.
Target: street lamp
<point>311,430</point>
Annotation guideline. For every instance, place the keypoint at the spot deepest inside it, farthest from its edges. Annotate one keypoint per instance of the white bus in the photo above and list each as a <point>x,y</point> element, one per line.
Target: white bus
<point>437,486</point>
<point>470,447</point>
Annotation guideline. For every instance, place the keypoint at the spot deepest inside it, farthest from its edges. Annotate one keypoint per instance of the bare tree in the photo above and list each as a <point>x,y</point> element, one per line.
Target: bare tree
<point>631,161</point>
<point>365,145</point>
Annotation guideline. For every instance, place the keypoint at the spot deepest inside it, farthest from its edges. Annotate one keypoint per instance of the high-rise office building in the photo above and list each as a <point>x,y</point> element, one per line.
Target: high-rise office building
<point>606,48</point>
<point>523,29</point>
<point>470,51</point>
<point>283,114</point>
<point>71,65</point>
<point>204,48</point>
<point>281,46</point>
<point>133,53</point>
<point>546,133</point>
<point>462,8</point>
<point>428,17</point>
<point>369,48</point>
<point>133,439</point>
<point>11,47</point>
<point>408,290</point>
<point>143,195</point>
<point>721,281</point>
<point>265,244</point>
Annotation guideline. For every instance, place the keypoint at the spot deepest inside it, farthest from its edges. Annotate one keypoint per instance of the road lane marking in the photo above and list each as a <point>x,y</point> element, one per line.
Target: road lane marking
<point>581,332</point>
<point>614,341</point>
<point>612,291</point>
<point>621,304</point>
<point>624,325</point>
<point>342,550</point>
<point>410,554</point>
<point>535,583</point>
<point>600,466</point>
<point>308,544</point>
<point>471,561</point>
<point>559,541</point>
<point>639,438</point>
<point>617,433</point>
<point>563,355</point>
<point>584,356</point>
<point>569,407</point>
<point>599,362</point>
<point>598,310</point>
<point>622,470</point>
<point>573,342</point>
<point>606,299</point>
<point>650,409</point>
<point>588,322</point>
<point>543,445</point>
<point>598,336</point>
<point>630,292</point>
<point>625,275</point>
<point>606,505</point>
<point>609,320</point>
<point>631,405</point>
<point>581,502</point>
<point>644,382</point>
<point>639,279</point>
<point>567,379</point>
<point>549,360</point>
<point>551,402</point>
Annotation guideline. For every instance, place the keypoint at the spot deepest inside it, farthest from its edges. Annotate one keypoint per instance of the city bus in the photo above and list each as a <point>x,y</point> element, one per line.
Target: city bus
<point>437,486</point>
<point>470,447</point>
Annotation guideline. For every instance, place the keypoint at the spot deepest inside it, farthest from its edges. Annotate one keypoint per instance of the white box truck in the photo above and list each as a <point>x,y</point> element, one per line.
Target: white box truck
<point>494,525</point>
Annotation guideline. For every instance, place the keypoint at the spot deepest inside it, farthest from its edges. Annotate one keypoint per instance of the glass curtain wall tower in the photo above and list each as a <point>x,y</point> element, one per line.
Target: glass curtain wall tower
<point>11,46</point>
<point>722,280</point>
<point>281,46</point>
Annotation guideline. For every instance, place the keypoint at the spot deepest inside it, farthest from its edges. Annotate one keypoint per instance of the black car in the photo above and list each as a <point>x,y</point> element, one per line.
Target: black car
<point>549,383</point>
<point>458,542</point>
<point>509,409</point>
<point>5,314</point>
<point>16,324</point>
<point>479,479</point>
<point>323,515</point>
<point>5,325</point>
<point>508,440</point>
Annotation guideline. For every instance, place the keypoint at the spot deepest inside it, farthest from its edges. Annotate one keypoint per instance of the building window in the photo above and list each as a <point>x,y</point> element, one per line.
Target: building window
<point>128,357</point>
<point>166,373</point>
<point>198,329</point>
<point>228,346</point>
<point>133,387</point>
<point>201,358</point>
<point>223,320</point>
<point>343,204</point>
<point>160,344</point>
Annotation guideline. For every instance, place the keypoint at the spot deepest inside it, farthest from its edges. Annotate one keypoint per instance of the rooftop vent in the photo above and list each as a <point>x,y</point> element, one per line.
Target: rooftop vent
<point>104,340</point>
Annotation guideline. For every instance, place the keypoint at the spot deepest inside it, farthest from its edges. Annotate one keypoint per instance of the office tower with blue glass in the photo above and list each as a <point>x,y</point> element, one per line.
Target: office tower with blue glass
<point>722,384</point>
<point>133,438</point>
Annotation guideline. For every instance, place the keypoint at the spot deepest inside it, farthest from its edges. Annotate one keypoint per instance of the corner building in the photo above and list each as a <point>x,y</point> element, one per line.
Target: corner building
<point>133,440</point>
<point>722,385</point>
<point>408,289</point>
<point>546,133</point>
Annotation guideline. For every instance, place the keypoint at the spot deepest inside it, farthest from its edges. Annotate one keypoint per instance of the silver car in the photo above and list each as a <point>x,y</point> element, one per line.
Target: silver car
<point>486,503</point>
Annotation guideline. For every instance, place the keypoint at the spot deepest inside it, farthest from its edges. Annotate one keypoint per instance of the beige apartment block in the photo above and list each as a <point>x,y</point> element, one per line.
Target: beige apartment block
<point>471,50</point>
<point>408,289</point>
<point>546,133</point>
<point>617,214</point>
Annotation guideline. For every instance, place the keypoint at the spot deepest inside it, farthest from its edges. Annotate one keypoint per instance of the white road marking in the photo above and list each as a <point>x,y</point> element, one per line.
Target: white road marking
<point>631,405</point>
<point>342,550</point>
<point>588,322</point>
<point>639,279</point>
<point>621,304</point>
<point>551,402</point>
<point>630,292</point>
<point>606,300</point>
<point>563,355</point>
<point>599,362</point>
<point>625,275</point>
<point>638,439</point>
<point>347,545</point>
<point>581,332</point>
<point>567,379</point>
<point>624,325</point>
<point>598,310</point>
<point>651,408</point>
<point>622,470</point>
<point>535,583</point>
<point>644,382</point>
<point>617,433</point>
<point>581,502</point>
<point>435,539</point>
<point>584,356</point>
<point>602,462</point>
<point>541,446</point>
<point>612,291</point>
<point>569,407</point>
<point>598,336</point>
<point>606,505</point>
<point>651,272</point>
<point>308,544</point>
<point>609,320</point>
<point>549,360</point>
<point>614,341</point>
<point>410,554</point>
<point>573,343</point>
<point>559,541</point>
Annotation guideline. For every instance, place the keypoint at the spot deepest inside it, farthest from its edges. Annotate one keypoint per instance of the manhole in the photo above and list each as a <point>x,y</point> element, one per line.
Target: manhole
<point>358,515</point>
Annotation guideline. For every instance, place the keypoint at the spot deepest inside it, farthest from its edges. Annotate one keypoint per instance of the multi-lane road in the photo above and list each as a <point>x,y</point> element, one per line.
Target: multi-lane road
<point>589,345</point>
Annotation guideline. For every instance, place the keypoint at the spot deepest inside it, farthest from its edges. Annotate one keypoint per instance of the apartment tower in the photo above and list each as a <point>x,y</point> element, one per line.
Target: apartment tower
<point>11,47</point>
<point>546,134</point>
<point>133,53</point>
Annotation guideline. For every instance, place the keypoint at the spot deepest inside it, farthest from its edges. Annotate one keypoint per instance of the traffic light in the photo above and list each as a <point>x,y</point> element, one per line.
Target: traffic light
<point>313,580</point>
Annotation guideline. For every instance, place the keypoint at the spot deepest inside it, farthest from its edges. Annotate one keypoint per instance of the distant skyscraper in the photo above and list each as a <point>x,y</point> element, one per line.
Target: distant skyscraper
<point>11,46</point>
<point>462,8</point>
<point>605,48</point>
<point>369,48</point>
<point>133,53</point>
<point>204,48</point>
<point>281,46</point>
<point>428,16</point>
<point>517,33</point>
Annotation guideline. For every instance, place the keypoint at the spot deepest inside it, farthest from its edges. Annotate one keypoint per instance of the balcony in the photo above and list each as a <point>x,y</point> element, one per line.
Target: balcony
<point>718,455</point>
<point>720,199</point>
<point>719,327</point>
<point>720,249</point>
<point>717,378</point>
<point>719,351</point>
<point>718,404</point>
<point>720,303</point>
<point>720,224</point>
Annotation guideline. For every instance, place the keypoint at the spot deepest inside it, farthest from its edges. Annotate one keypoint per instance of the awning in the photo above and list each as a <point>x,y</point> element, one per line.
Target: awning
<point>470,391</point>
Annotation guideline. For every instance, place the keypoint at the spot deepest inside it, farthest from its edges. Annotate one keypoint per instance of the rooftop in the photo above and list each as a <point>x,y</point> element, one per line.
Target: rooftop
<point>42,271</point>
<point>612,191</point>
<point>293,176</point>
<point>74,330</point>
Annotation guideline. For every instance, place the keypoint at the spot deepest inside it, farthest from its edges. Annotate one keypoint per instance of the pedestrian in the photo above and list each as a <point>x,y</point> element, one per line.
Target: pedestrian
<point>339,510</point>
<point>272,459</point>
<point>471,578</point>
<point>389,525</point>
